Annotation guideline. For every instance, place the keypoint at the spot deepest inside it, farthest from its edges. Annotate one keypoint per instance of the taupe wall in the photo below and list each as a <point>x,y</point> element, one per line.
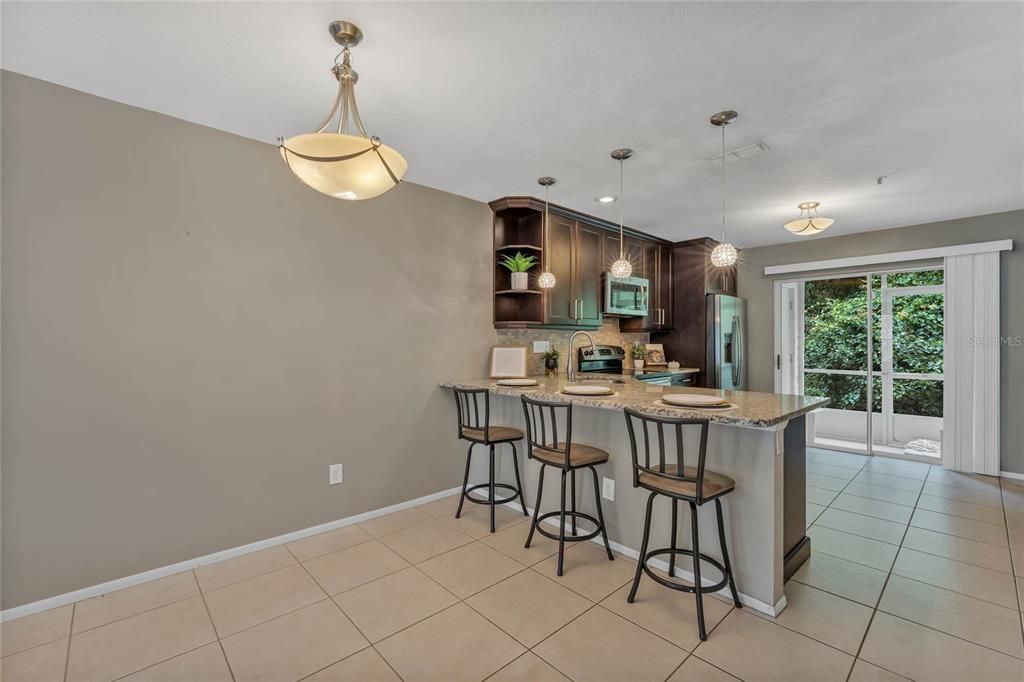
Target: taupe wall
<point>757,289</point>
<point>191,336</point>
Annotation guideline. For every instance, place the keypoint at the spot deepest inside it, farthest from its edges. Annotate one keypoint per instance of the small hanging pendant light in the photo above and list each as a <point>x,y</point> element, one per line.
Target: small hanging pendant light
<point>546,280</point>
<point>621,268</point>
<point>341,164</point>
<point>808,225</point>
<point>724,254</point>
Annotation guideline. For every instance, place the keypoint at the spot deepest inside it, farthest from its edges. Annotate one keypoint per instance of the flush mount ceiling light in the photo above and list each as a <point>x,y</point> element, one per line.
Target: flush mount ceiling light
<point>606,199</point>
<point>807,225</point>
<point>621,268</point>
<point>343,164</point>
<point>547,279</point>
<point>724,254</point>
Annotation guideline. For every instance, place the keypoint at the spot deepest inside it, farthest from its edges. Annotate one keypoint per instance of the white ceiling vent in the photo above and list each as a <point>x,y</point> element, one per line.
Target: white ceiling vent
<point>743,151</point>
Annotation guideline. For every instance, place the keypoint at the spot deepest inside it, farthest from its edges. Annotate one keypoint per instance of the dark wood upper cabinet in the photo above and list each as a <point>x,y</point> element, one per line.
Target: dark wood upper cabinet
<point>634,252</point>
<point>577,249</point>
<point>559,301</point>
<point>657,267</point>
<point>588,266</point>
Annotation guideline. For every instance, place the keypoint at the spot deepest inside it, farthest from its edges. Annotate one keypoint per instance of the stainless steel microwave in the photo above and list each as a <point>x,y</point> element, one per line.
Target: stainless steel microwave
<point>626,296</point>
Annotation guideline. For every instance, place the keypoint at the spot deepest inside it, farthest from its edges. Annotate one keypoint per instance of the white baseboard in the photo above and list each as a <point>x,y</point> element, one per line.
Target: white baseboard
<point>724,593</point>
<point>164,571</point>
<point>1010,474</point>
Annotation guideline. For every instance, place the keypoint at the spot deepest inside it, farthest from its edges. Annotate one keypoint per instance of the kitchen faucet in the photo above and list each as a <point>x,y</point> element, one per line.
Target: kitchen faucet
<point>572,362</point>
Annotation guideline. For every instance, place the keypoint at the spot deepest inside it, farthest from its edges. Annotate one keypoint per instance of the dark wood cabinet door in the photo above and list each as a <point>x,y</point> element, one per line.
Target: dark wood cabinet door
<point>653,319</point>
<point>560,244</point>
<point>663,285</point>
<point>634,252</point>
<point>588,265</point>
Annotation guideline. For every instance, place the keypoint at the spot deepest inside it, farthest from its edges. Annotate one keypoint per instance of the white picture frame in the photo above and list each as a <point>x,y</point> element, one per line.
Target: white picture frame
<point>508,362</point>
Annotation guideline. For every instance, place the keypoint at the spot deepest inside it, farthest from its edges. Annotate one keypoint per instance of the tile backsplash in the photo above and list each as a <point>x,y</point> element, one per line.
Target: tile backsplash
<point>608,334</point>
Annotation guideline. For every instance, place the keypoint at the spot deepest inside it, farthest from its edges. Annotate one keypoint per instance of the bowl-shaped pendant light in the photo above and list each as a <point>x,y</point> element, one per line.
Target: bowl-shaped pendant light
<point>724,254</point>
<point>622,268</point>
<point>344,164</point>
<point>546,280</point>
<point>808,225</point>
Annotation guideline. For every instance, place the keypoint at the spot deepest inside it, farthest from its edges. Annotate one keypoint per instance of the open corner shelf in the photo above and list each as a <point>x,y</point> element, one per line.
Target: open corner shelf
<point>517,292</point>
<point>518,247</point>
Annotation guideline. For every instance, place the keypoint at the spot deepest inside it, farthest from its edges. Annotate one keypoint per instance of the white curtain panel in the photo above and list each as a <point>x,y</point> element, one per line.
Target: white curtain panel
<point>970,439</point>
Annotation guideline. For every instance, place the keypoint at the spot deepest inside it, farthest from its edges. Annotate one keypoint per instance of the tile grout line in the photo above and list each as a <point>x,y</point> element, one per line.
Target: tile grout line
<point>216,632</point>
<point>131,615</point>
<point>528,651</point>
<point>344,615</point>
<point>71,631</point>
<point>1016,588</point>
<point>689,654</point>
<point>881,593</point>
<point>165,660</point>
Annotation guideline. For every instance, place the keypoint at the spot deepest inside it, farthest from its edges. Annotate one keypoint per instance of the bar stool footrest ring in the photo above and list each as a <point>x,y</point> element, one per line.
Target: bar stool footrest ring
<point>486,500</point>
<point>678,586</point>
<point>568,514</point>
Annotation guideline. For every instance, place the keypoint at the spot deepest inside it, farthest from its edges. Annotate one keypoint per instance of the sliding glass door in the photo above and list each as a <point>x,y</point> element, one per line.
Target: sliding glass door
<point>911,362</point>
<point>889,359</point>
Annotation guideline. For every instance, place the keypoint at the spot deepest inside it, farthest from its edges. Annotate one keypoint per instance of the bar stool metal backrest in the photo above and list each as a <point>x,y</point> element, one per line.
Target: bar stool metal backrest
<point>467,404</point>
<point>542,428</point>
<point>670,465</point>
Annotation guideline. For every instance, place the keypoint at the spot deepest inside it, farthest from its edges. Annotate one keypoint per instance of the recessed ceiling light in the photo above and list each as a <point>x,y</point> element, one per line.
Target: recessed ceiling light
<point>607,199</point>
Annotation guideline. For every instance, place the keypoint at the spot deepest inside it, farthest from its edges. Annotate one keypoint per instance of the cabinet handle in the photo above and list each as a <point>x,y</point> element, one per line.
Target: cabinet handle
<point>579,309</point>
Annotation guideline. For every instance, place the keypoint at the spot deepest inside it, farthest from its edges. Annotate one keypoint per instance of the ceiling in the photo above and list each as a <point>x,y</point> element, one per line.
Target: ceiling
<point>482,99</point>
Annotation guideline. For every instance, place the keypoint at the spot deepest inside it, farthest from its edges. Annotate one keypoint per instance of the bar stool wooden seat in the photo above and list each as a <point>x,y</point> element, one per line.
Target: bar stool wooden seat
<point>668,475</point>
<point>480,432</point>
<point>544,445</point>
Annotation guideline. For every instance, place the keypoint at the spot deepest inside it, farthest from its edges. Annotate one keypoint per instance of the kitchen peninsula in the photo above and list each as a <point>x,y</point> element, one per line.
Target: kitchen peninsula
<point>759,443</point>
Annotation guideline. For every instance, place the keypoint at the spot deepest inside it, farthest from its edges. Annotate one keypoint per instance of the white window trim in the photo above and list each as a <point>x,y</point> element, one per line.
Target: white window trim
<point>893,257</point>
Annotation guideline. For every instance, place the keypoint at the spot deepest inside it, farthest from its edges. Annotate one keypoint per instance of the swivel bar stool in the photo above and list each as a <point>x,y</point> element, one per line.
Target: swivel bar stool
<point>480,432</point>
<point>542,444</point>
<point>693,485</point>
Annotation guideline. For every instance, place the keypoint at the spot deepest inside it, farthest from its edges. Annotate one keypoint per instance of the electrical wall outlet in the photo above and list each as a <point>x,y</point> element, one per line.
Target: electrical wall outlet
<point>335,474</point>
<point>608,488</point>
<point>541,346</point>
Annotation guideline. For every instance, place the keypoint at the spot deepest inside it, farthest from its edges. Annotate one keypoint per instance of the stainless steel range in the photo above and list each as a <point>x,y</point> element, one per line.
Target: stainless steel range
<point>610,359</point>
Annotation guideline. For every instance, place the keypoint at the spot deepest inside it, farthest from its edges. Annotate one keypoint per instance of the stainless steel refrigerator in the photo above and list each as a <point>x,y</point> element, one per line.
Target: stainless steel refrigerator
<point>726,342</point>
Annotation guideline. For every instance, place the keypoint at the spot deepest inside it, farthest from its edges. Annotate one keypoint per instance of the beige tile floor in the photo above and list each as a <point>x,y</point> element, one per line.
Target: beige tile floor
<point>912,576</point>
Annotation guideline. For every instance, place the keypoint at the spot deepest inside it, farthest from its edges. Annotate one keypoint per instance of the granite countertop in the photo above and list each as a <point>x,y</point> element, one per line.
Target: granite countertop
<point>752,409</point>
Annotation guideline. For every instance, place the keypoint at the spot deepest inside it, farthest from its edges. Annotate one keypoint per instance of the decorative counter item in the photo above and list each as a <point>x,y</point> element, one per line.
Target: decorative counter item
<point>639,354</point>
<point>519,265</point>
<point>551,362</point>
<point>508,362</point>
<point>673,365</point>
<point>655,354</point>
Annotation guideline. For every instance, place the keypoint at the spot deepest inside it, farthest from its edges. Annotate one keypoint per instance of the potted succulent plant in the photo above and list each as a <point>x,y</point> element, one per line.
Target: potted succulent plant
<point>519,265</point>
<point>639,354</point>
<point>551,362</point>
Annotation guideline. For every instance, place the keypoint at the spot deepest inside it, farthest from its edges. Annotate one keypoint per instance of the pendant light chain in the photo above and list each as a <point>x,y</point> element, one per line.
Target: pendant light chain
<point>546,279</point>
<point>724,254</point>
<point>723,183</point>
<point>622,200</point>
<point>622,268</point>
